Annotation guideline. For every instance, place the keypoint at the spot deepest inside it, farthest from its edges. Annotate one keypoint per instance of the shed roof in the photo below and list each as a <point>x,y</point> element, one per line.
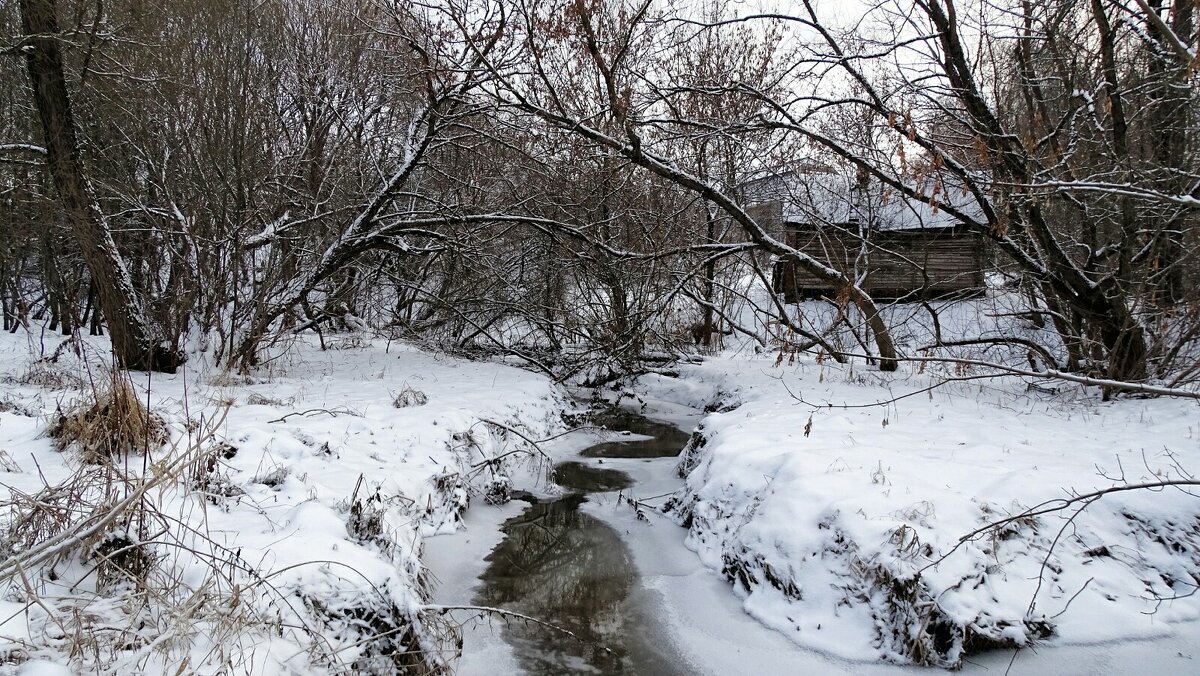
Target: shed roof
<point>825,195</point>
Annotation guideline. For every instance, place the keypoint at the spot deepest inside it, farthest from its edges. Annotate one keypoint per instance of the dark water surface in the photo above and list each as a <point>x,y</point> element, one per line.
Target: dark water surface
<point>668,440</point>
<point>590,478</point>
<point>569,569</point>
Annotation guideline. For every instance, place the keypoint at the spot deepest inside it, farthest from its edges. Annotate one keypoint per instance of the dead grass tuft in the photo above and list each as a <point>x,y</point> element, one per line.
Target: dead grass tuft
<point>120,557</point>
<point>207,476</point>
<point>410,396</point>
<point>230,379</point>
<point>114,423</point>
<point>366,522</point>
<point>384,639</point>
<point>256,399</point>
<point>91,494</point>
<point>7,405</point>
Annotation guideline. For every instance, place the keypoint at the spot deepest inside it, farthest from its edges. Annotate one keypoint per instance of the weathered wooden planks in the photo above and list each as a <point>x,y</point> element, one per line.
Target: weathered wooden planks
<point>903,264</point>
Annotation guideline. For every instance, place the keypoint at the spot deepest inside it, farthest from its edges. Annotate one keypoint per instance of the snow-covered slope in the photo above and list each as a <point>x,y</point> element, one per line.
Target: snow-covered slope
<point>292,543</point>
<point>838,516</point>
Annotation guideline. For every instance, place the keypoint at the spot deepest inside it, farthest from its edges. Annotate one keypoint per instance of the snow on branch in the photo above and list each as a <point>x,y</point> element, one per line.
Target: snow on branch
<point>21,148</point>
<point>1123,189</point>
<point>1186,55</point>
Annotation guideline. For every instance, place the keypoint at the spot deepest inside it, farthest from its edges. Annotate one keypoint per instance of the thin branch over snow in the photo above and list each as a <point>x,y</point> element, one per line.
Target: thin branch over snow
<point>1058,505</point>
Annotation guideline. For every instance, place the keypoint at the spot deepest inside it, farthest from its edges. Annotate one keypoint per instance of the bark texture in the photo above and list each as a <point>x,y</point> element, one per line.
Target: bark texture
<point>134,342</point>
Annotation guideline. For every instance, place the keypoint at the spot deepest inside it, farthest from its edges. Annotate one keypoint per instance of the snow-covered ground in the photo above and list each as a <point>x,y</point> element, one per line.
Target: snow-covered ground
<point>698,617</point>
<point>296,536</point>
<point>835,505</point>
<point>265,560</point>
<point>708,624</point>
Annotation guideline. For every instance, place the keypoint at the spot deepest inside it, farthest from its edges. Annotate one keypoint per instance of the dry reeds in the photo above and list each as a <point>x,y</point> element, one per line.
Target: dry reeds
<point>46,376</point>
<point>114,423</point>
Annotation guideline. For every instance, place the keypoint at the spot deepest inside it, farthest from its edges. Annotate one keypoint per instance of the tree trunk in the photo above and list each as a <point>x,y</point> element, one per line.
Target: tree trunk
<point>134,344</point>
<point>710,284</point>
<point>1171,106</point>
<point>1103,305</point>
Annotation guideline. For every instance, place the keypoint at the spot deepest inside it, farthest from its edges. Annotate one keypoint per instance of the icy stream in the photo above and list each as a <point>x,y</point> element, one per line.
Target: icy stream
<point>584,561</point>
<point>572,570</point>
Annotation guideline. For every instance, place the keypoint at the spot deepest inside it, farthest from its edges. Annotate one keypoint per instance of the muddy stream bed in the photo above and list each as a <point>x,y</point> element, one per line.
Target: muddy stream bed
<point>569,569</point>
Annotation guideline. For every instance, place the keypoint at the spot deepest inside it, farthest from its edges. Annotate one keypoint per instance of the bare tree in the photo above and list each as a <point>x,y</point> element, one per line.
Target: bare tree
<point>1055,180</point>
<point>575,66</point>
<point>562,174</point>
<point>136,343</point>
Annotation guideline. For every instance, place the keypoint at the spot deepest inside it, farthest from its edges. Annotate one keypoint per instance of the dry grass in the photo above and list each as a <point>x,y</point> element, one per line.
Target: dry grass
<point>231,379</point>
<point>149,586</point>
<point>353,341</point>
<point>91,494</point>
<point>106,524</point>
<point>47,376</point>
<point>386,640</point>
<point>7,405</point>
<point>114,423</point>
<point>366,522</point>
<point>119,556</point>
<point>42,516</point>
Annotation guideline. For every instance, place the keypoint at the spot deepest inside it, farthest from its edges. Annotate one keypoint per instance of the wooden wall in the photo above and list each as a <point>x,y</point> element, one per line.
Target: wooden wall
<point>901,264</point>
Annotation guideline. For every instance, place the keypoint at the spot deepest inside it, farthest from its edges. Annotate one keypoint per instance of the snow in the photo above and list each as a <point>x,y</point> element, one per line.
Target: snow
<point>824,195</point>
<point>42,668</point>
<point>819,502</point>
<point>277,514</point>
<point>715,631</point>
<point>817,505</point>
<point>708,623</point>
<point>699,618</point>
<point>457,561</point>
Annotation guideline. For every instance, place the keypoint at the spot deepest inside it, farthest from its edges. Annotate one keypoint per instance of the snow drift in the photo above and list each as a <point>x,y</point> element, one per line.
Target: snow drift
<point>835,507</point>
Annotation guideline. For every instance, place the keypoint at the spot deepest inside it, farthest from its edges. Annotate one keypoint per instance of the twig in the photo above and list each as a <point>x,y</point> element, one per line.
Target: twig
<point>317,411</point>
<point>520,616</point>
<point>1057,505</point>
<point>1073,597</point>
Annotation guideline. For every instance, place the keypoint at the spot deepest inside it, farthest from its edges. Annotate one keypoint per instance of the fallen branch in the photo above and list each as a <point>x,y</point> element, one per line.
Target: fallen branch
<point>333,413</point>
<point>1053,374</point>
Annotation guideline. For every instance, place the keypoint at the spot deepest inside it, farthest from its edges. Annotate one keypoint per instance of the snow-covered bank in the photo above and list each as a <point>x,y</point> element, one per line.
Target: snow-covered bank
<point>699,615</point>
<point>831,521</point>
<point>292,543</point>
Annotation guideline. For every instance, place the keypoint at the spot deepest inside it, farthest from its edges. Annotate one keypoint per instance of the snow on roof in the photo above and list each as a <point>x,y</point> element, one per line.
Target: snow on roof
<point>824,195</point>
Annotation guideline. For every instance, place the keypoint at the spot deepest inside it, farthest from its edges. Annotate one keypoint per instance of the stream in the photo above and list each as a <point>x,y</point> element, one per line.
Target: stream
<point>571,570</point>
<point>638,598</point>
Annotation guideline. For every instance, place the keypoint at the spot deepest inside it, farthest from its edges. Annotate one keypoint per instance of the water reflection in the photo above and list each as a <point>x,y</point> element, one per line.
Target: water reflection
<point>589,478</point>
<point>668,440</point>
<point>569,569</point>
<point>566,568</point>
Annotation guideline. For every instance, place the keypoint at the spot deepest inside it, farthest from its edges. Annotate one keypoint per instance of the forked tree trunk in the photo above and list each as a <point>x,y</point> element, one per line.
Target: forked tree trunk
<point>134,342</point>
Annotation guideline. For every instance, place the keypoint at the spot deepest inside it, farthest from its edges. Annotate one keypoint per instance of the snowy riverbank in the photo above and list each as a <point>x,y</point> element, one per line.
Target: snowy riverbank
<point>697,618</point>
<point>830,511</point>
<point>267,552</point>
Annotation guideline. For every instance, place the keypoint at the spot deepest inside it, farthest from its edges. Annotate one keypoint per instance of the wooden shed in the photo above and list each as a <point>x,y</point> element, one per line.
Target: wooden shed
<point>900,264</point>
